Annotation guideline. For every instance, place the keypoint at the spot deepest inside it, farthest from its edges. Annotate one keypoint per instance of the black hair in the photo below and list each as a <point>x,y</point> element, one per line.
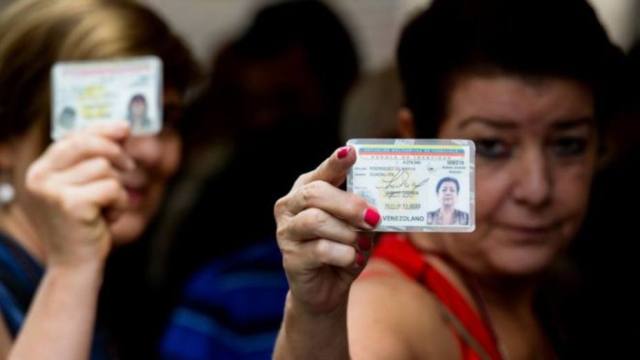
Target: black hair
<point>530,38</point>
<point>309,24</point>
<point>303,27</point>
<point>137,98</point>
<point>448,179</point>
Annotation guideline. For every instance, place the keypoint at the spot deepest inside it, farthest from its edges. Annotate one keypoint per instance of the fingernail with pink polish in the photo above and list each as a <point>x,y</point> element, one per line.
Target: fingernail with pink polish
<point>343,152</point>
<point>371,217</point>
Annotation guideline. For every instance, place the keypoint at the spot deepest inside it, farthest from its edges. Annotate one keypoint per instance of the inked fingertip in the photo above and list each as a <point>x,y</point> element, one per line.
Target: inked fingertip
<point>371,217</point>
<point>364,243</point>
<point>360,259</point>
<point>343,152</point>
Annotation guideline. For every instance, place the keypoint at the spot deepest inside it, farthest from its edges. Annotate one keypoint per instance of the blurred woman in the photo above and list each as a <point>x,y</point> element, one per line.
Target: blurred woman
<point>72,201</point>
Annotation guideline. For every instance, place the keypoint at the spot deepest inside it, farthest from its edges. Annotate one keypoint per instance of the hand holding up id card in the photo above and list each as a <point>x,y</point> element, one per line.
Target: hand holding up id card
<point>416,185</point>
<point>91,92</point>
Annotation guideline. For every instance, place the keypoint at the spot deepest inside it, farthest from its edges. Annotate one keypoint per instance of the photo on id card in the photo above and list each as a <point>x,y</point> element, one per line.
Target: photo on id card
<point>91,92</point>
<point>417,185</point>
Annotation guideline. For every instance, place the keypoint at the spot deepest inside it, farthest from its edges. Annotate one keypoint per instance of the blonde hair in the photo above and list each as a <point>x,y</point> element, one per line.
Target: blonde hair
<point>34,34</point>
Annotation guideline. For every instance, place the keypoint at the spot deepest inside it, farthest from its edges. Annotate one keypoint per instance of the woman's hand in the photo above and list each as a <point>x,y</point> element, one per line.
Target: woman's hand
<point>73,193</point>
<point>76,192</point>
<point>318,224</point>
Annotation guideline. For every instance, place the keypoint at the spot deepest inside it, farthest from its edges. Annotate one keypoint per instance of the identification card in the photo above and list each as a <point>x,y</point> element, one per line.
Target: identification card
<point>417,185</point>
<point>89,92</point>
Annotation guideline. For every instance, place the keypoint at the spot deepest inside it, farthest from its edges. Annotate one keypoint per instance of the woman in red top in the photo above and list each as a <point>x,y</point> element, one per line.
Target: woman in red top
<point>531,92</point>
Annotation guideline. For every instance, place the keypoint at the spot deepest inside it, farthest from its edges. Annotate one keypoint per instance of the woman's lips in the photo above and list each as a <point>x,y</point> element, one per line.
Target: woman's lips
<point>530,232</point>
<point>136,185</point>
<point>136,196</point>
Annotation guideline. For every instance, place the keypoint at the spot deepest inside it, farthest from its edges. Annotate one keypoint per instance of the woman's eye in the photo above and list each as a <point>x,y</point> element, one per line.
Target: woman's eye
<point>569,146</point>
<point>492,148</point>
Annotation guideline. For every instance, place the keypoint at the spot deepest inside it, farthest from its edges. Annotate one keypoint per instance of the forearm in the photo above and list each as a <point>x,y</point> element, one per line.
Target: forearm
<point>60,321</point>
<point>304,335</point>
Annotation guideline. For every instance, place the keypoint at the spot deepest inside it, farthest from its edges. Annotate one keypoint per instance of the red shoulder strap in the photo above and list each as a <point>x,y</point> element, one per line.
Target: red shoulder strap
<point>397,250</point>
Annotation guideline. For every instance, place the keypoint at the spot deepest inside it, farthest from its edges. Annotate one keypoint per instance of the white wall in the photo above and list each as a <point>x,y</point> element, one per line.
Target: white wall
<point>206,24</point>
<point>4,3</point>
<point>375,24</point>
<point>618,17</point>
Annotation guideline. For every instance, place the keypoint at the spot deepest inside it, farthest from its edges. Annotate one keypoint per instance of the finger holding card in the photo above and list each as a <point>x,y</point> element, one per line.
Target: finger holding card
<point>70,189</point>
<point>318,228</point>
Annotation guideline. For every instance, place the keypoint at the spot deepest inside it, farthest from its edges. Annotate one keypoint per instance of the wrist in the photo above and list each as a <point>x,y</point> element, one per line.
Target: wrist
<point>312,334</point>
<point>300,309</point>
<point>80,273</point>
<point>90,261</point>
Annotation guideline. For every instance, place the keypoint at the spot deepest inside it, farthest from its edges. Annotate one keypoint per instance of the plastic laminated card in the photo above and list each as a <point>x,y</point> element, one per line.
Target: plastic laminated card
<point>417,185</point>
<point>89,92</point>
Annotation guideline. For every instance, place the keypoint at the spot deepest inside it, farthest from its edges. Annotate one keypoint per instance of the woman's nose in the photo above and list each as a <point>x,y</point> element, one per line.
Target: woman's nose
<point>533,179</point>
<point>145,150</point>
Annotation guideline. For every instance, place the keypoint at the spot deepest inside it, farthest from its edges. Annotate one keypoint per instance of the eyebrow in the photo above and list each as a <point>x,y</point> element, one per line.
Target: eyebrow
<point>506,124</point>
<point>568,124</point>
<point>495,123</point>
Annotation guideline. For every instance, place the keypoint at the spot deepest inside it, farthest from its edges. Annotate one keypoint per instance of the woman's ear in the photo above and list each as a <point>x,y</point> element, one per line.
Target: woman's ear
<point>406,125</point>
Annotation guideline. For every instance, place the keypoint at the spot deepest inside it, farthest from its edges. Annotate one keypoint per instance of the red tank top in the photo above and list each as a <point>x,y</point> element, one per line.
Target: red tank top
<point>477,341</point>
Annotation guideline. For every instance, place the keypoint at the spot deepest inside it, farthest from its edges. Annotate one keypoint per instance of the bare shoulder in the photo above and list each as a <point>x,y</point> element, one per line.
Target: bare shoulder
<point>393,316</point>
